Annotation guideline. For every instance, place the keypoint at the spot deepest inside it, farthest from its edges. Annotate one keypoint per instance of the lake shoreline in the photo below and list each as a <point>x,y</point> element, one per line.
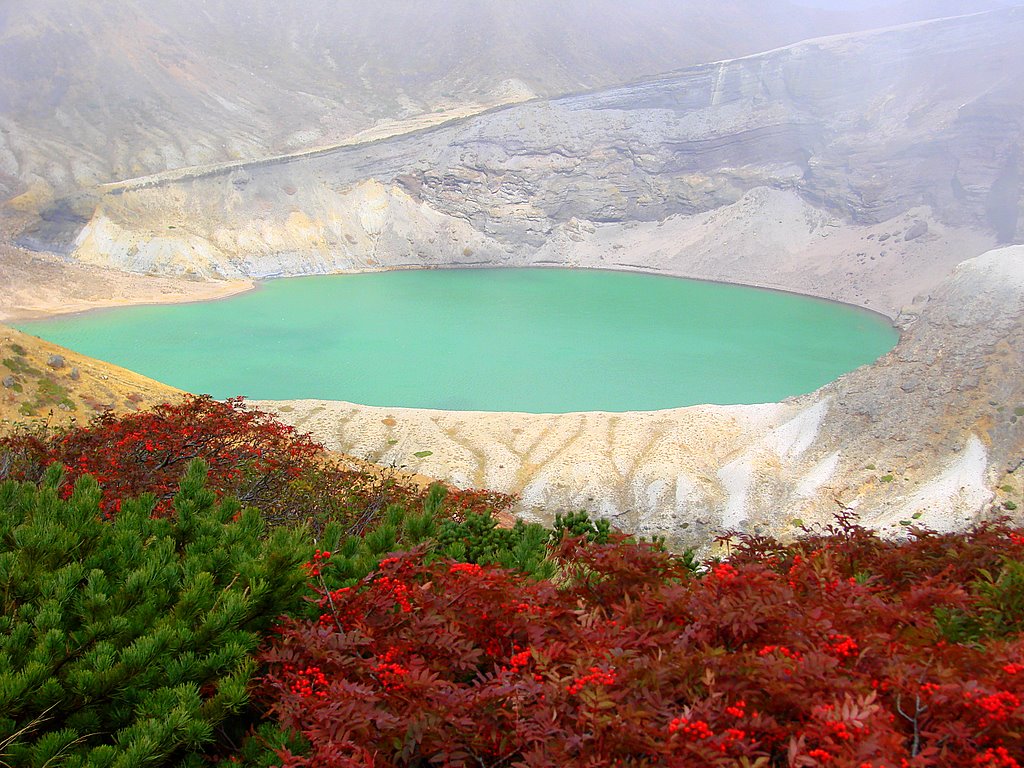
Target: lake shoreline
<point>211,291</point>
<point>40,286</point>
<point>219,290</point>
<point>534,340</point>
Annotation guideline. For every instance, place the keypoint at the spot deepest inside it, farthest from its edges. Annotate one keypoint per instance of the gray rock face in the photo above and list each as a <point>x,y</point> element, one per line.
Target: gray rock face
<point>867,126</point>
<point>965,359</point>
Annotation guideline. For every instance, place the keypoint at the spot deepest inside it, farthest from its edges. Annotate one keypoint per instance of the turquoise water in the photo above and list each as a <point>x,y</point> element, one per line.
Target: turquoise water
<point>536,340</point>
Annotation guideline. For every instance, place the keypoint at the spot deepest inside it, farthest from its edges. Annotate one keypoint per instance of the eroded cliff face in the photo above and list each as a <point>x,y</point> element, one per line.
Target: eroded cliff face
<point>949,395</point>
<point>859,129</point>
<point>866,126</point>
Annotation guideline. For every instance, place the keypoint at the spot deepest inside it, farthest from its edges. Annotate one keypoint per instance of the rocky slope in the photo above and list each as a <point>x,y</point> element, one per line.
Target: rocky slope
<point>855,130</point>
<point>921,437</point>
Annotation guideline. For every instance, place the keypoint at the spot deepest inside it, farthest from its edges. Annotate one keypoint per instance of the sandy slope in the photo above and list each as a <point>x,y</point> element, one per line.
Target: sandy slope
<point>41,285</point>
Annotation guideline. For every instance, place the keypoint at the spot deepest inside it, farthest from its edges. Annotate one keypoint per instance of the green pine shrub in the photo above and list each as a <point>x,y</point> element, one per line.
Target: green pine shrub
<point>343,559</point>
<point>132,642</point>
<point>579,524</point>
<point>478,539</point>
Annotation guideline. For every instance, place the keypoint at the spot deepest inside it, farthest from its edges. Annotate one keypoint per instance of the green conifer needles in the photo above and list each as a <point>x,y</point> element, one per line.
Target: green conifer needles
<point>130,642</point>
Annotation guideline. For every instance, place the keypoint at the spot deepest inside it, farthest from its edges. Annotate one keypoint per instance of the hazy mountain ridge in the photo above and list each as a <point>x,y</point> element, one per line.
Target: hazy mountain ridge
<point>94,92</point>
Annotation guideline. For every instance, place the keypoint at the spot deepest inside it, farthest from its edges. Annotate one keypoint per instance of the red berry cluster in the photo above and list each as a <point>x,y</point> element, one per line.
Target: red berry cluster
<point>315,566</point>
<point>997,707</point>
<point>398,590</point>
<point>595,676</point>
<point>739,709</point>
<point>308,682</point>
<point>723,572</point>
<point>695,729</point>
<point>471,569</point>
<point>996,757</point>
<point>520,660</point>
<point>842,645</point>
<point>782,651</point>
<point>390,673</point>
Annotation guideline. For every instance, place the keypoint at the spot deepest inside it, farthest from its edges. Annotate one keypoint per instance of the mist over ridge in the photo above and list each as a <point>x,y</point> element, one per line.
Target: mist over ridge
<point>861,129</point>
<point>96,92</point>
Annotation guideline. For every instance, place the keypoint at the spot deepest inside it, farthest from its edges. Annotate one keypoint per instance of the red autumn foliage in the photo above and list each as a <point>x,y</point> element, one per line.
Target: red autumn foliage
<point>829,652</point>
<point>251,455</point>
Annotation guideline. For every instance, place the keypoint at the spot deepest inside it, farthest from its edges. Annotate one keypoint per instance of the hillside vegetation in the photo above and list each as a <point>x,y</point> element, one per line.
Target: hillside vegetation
<point>41,382</point>
<point>338,619</point>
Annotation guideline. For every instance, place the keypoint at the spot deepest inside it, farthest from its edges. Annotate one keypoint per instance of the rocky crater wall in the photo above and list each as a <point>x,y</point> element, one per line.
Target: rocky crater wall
<point>861,168</point>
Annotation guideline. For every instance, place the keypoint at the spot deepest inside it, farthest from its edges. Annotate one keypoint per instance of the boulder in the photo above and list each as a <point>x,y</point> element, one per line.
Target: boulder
<point>915,230</point>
